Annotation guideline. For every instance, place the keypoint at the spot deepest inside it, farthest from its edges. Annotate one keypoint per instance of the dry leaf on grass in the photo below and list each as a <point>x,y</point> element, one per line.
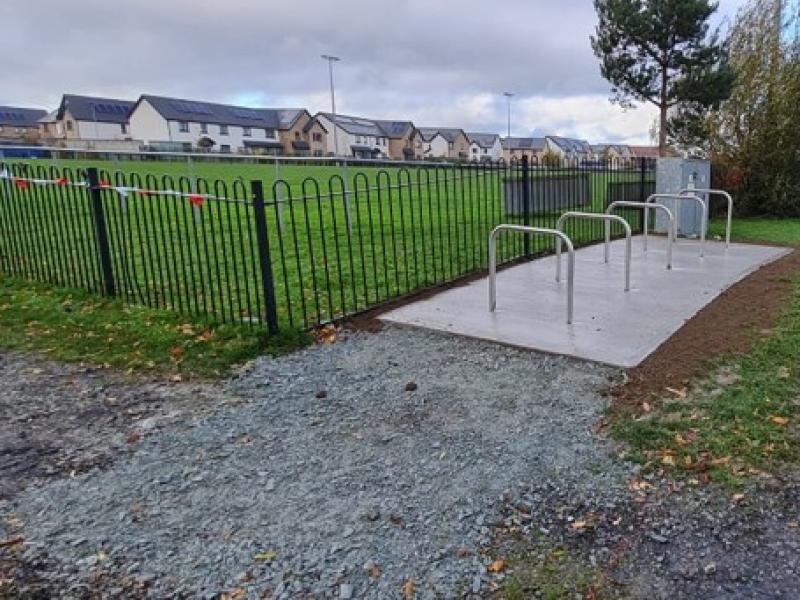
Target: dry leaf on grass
<point>409,589</point>
<point>778,420</point>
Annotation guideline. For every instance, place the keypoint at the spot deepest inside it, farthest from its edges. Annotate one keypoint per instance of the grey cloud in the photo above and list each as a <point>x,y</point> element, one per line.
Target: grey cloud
<point>400,57</point>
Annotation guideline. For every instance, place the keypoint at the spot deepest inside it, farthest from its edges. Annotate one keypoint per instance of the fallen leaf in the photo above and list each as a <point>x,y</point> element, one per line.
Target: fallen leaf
<point>497,566</point>
<point>646,407</point>
<point>778,420</point>
<point>374,571</point>
<point>409,589</point>
<point>668,459</point>
<point>464,553</point>
<point>267,556</point>
<point>177,352</point>
<point>578,525</point>
<point>205,336</point>
<point>784,373</point>
<point>236,594</point>
<point>411,386</point>
<point>186,329</point>
<point>133,437</point>
<point>11,542</point>
<point>737,497</point>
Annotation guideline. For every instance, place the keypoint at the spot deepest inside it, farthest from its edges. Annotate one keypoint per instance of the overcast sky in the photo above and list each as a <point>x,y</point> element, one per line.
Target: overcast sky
<point>436,62</point>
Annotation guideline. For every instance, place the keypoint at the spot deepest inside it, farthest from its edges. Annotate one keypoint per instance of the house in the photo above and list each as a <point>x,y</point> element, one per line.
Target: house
<point>611,152</point>
<point>20,124</point>
<point>174,124</point>
<point>650,152</point>
<point>354,136</point>
<point>401,138</point>
<point>485,146</point>
<point>441,142</point>
<point>514,148</point>
<point>568,148</point>
<point>92,118</point>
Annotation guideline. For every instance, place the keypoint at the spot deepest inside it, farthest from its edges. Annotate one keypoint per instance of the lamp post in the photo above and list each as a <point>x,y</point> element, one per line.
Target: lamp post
<point>508,96</point>
<point>331,60</point>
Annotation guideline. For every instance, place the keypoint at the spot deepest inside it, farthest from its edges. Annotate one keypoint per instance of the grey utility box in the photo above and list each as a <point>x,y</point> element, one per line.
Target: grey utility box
<point>674,175</point>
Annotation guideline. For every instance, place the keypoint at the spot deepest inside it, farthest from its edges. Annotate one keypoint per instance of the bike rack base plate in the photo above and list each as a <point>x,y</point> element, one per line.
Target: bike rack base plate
<point>610,325</point>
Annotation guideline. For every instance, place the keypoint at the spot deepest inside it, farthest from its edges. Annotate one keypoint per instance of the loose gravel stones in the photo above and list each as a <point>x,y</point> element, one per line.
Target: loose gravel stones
<point>301,492</point>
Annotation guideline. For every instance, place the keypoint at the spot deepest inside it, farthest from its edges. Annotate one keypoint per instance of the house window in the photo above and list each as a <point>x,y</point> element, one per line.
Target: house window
<point>247,132</point>
<point>183,126</point>
<point>474,150</point>
<point>223,130</point>
<point>203,127</point>
<point>224,148</point>
<point>270,133</point>
<point>317,137</point>
<point>297,135</point>
<point>69,125</point>
<point>123,127</point>
<point>450,146</point>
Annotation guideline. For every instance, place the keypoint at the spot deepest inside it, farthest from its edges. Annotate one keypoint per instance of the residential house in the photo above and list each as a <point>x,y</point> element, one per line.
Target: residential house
<point>48,127</point>
<point>441,142</point>
<point>92,118</point>
<point>611,152</point>
<point>354,136</point>
<point>20,124</point>
<point>485,146</point>
<point>401,138</point>
<point>515,148</point>
<point>650,152</point>
<point>174,124</point>
<point>568,148</point>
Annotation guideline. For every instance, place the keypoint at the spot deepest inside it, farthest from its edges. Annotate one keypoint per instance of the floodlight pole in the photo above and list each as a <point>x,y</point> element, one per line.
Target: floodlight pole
<point>331,60</point>
<point>508,96</point>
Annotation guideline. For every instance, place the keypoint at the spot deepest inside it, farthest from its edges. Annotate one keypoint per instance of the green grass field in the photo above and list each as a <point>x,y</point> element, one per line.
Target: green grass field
<point>333,251</point>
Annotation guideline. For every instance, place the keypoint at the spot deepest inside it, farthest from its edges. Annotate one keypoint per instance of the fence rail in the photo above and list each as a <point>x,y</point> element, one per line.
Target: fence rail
<point>290,252</point>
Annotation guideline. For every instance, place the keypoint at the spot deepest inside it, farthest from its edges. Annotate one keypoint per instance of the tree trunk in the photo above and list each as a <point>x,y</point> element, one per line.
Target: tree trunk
<point>662,132</point>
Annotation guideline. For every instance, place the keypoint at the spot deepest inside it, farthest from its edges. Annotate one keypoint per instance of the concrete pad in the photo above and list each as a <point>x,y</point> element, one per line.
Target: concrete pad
<point>610,325</point>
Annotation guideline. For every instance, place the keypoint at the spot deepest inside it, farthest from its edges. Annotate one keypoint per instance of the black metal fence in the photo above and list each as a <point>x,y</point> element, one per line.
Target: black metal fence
<point>294,252</point>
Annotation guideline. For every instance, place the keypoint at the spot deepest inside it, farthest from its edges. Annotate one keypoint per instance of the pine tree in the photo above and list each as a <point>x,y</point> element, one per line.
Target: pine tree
<point>660,51</point>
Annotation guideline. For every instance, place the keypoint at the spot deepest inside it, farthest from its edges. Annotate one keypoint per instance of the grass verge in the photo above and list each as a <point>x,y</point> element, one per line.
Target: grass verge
<point>552,573</point>
<point>744,417</point>
<point>72,325</point>
<point>760,229</point>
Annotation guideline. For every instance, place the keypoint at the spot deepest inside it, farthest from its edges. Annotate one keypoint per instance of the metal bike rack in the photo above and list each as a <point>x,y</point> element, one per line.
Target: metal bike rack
<point>704,216</point>
<point>646,206</point>
<point>524,229</point>
<point>573,214</point>
<point>728,197</point>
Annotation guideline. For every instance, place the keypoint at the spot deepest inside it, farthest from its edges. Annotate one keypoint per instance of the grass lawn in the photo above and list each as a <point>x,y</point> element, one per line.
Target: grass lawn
<point>745,418</point>
<point>760,229</point>
<point>332,253</point>
<point>73,325</point>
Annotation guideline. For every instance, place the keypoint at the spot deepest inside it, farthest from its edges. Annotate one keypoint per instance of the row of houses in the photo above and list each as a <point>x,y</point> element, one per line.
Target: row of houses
<point>178,125</point>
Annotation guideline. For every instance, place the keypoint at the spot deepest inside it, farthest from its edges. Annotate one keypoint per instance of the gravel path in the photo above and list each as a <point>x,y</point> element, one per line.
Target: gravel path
<point>350,470</point>
<point>353,469</point>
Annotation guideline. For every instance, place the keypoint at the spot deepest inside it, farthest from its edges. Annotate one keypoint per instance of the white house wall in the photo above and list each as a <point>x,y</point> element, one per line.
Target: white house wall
<point>95,130</point>
<point>147,124</point>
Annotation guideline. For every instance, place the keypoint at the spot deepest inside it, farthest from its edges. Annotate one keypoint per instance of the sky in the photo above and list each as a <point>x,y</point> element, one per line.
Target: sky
<point>439,63</point>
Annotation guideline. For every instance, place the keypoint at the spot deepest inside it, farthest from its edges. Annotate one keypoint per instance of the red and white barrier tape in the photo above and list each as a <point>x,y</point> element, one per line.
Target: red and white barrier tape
<point>24,183</point>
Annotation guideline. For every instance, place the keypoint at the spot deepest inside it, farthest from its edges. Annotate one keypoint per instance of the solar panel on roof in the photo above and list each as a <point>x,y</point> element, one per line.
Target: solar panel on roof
<point>245,113</point>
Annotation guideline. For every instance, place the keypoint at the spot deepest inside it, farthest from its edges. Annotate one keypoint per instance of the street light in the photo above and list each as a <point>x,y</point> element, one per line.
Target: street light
<point>331,60</point>
<point>508,96</point>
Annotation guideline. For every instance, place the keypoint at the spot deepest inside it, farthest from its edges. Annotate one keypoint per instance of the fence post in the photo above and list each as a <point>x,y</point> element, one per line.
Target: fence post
<point>526,203</point>
<point>101,233</point>
<point>264,258</point>
<point>642,190</point>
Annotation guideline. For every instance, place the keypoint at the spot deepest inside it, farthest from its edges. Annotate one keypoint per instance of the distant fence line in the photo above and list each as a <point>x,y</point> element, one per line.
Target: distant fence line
<point>281,254</point>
